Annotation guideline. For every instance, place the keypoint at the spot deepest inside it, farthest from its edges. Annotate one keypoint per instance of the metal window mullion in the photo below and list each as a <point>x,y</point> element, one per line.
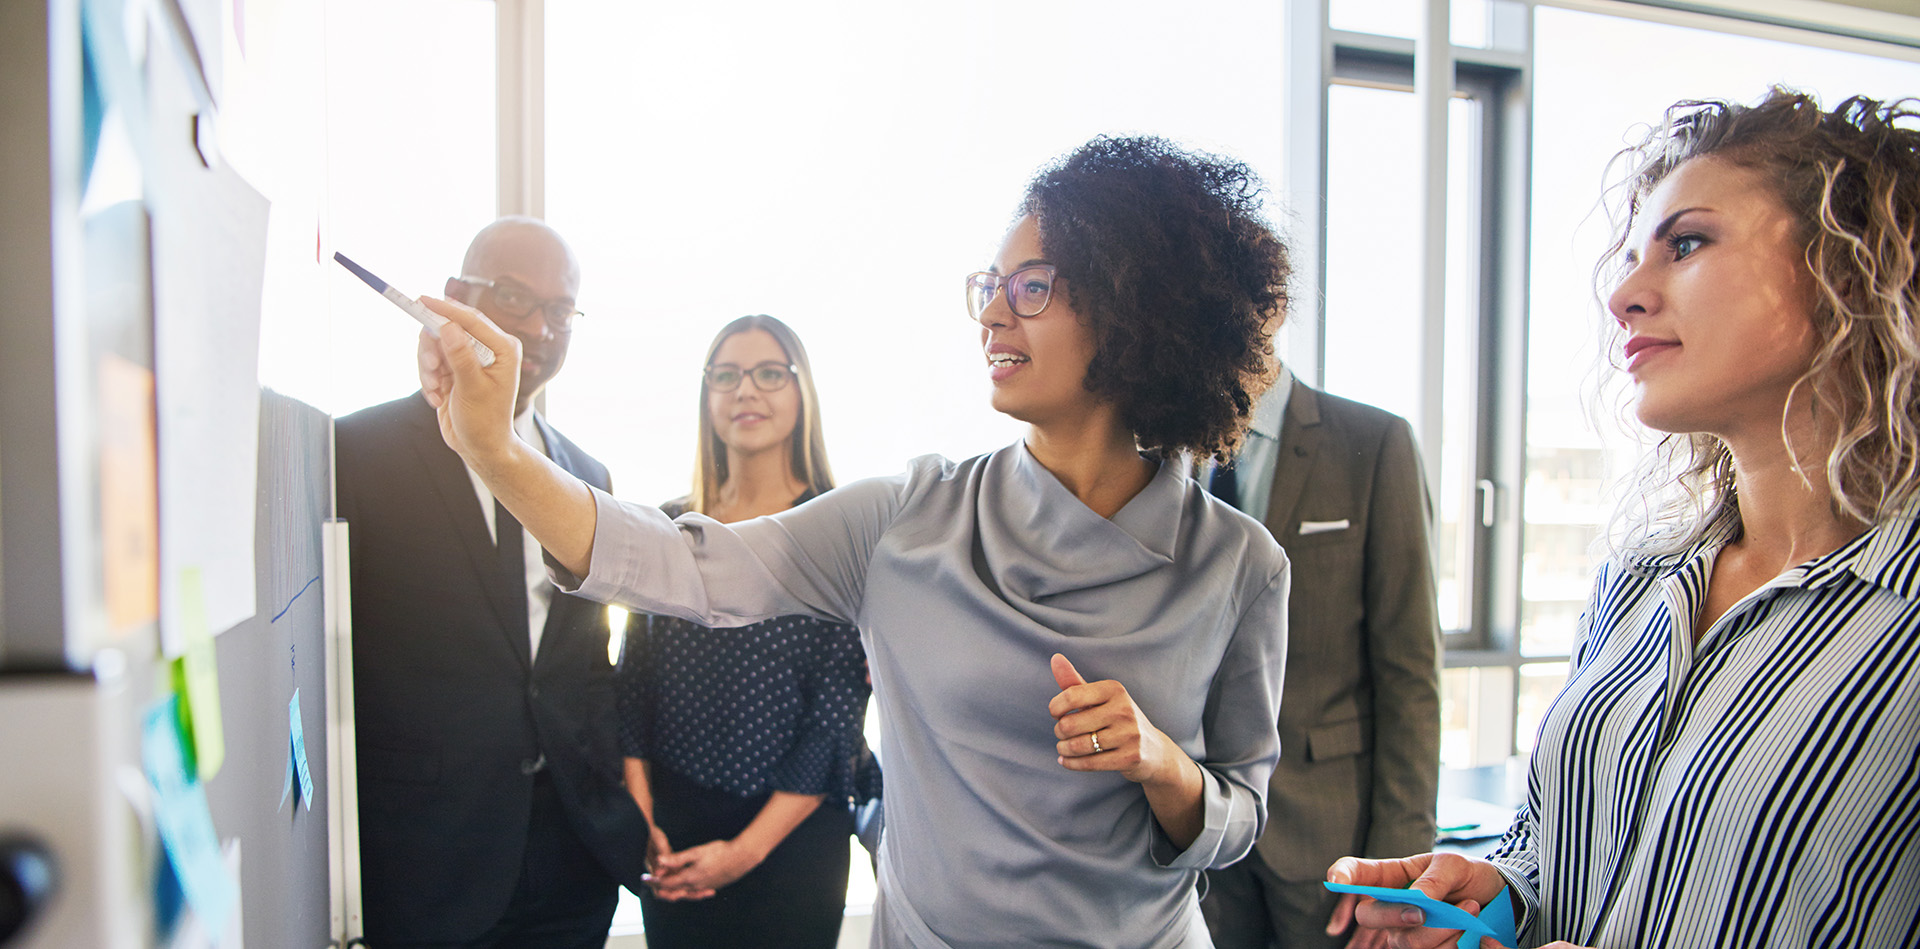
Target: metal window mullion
<point>520,105</point>
<point>1309,71</point>
<point>1433,89</point>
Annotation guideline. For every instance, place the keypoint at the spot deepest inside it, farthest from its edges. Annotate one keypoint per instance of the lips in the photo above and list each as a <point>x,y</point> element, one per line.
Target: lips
<point>1639,349</point>
<point>748,418</point>
<point>1004,360</point>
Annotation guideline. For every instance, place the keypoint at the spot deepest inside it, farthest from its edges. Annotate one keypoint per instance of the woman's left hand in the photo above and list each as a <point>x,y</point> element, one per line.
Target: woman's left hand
<point>698,872</point>
<point>1100,729</point>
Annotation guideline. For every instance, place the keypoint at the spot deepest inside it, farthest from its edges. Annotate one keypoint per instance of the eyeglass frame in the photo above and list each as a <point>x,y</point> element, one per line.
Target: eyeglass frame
<point>999,289</point>
<point>791,375</point>
<point>563,325</point>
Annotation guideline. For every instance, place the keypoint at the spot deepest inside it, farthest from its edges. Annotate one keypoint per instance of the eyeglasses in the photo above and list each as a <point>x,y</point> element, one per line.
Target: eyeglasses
<point>767,376</point>
<point>517,302</point>
<point>1028,290</point>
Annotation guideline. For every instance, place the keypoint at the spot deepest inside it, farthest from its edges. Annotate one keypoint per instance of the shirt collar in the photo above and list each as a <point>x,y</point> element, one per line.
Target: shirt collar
<point>1887,556</point>
<point>1271,411</point>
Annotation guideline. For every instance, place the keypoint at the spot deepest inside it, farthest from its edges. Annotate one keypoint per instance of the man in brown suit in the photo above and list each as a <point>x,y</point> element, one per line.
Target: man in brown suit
<point>1340,486</point>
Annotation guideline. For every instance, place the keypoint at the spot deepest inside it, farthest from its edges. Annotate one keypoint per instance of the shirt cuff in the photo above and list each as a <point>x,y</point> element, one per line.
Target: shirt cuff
<point>616,544</point>
<point>1228,828</point>
<point>1525,897</point>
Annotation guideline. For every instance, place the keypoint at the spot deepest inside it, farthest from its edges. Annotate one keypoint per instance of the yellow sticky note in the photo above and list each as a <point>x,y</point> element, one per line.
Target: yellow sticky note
<point>196,678</point>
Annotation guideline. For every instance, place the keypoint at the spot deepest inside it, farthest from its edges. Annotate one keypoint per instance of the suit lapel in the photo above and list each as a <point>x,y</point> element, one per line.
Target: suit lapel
<point>1299,447</point>
<point>454,487</point>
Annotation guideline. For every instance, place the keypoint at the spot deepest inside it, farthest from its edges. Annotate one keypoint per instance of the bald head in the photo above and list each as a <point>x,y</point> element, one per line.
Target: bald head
<point>516,245</point>
<point>515,268</point>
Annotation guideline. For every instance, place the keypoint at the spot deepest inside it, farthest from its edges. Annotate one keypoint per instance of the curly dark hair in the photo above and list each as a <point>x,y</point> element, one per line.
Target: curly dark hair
<point>1183,283</point>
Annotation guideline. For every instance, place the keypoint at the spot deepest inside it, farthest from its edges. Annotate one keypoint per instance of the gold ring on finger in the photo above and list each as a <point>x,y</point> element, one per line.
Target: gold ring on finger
<point>1096,741</point>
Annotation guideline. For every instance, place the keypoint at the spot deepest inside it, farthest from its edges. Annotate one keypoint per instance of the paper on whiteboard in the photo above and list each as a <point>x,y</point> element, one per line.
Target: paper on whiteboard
<point>209,250</point>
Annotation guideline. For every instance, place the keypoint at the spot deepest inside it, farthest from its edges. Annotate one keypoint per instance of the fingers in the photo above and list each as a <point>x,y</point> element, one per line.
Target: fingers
<point>1397,872</point>
<point>1369,914</point>
<point>1065,674</point>
<point>672,862</point>
<point>1342,911</point>
<point>436,378</point>
<point>471,322</point>
<point>1076,693</point>
<point>1081,738</point>
<point>1364,938</point>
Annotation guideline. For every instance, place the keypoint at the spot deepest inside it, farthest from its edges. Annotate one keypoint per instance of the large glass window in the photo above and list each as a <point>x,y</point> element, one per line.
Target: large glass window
<point>1373,316</point>
<point>842,166</point>
<point>410,172</point>
<point>1402,18</point>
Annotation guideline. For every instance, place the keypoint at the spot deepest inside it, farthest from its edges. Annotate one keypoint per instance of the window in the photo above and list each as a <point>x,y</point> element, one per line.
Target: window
<point>403,198</point>
<point>1375,334</point>
<point>842,166</point>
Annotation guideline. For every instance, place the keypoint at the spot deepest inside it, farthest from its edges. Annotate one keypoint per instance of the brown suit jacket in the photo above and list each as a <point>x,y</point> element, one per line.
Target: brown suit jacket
<point>1360,714</point>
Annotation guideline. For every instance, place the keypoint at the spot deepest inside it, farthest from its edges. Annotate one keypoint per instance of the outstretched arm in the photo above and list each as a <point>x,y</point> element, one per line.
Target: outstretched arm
<point>475,405</point>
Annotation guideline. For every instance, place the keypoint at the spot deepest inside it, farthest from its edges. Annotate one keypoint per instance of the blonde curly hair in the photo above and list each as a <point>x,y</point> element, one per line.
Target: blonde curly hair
<point>1852,178</point>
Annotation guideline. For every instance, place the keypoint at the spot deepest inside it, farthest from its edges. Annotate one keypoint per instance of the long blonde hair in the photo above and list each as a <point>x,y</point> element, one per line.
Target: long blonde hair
<point>1852,178</point>
<point>809,456</point>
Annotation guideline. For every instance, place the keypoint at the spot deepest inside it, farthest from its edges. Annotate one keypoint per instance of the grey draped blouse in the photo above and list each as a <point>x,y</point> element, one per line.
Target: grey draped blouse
<point>964,578</point>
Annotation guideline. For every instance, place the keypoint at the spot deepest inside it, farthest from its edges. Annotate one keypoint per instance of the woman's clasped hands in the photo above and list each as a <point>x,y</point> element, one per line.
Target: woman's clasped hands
<point>1449,877</point>
<point>697,872</point>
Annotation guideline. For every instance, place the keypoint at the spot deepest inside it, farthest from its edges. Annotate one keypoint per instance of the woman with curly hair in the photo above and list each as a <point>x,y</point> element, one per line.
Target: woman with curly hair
<point>1076,650</point>
<point>1735,759</point>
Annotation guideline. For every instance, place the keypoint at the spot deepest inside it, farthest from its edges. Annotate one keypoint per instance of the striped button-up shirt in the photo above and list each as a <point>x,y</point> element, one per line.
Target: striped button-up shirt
<point>1758,789</point>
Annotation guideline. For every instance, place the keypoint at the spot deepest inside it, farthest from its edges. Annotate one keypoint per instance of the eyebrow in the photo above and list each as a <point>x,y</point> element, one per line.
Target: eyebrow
<point>1029,262</point>
<point>508,278</point>
<point>1662,229</point>
<point>1666,225</point>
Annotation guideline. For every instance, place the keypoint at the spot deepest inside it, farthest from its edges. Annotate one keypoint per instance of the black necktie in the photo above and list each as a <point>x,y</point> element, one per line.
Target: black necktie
<point>509,538</point>
<point>1223,485</point>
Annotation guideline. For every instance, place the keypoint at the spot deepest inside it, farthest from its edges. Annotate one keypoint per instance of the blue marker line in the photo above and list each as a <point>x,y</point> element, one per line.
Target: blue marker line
<point>284,609</point>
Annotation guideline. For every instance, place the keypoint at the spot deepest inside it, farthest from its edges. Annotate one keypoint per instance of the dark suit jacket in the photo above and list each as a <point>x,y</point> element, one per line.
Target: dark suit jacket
<point>1360,714</point>
<point>450,712</point>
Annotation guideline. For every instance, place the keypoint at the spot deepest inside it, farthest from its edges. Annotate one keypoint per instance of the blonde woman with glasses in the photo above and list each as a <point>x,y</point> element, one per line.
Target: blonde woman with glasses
<point>743,744</point>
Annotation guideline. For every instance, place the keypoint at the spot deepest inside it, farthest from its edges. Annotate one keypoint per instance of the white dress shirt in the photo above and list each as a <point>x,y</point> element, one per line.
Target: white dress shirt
<point>539,591</point>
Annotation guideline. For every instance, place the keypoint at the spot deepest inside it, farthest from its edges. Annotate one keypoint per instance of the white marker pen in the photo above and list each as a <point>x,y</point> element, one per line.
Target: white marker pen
<point>429,319</point>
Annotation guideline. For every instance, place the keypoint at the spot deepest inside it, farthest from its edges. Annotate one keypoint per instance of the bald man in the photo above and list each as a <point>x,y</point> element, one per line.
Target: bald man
<point>492,808</point>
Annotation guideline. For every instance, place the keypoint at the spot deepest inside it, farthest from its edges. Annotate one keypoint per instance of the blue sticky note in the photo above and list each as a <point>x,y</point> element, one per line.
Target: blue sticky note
<point>180,810</point>
<point>300,750</point>
<point>286,782</point>
<point>1495,920</point>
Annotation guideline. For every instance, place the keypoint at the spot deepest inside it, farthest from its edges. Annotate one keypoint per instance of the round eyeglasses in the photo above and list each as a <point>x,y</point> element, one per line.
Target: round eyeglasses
<point>1029,289</point>
<point>767,376</point>
<point>515,301</point>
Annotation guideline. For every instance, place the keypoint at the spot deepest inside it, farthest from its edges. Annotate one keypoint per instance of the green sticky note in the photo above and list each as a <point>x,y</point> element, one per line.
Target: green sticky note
<point>196,679</point>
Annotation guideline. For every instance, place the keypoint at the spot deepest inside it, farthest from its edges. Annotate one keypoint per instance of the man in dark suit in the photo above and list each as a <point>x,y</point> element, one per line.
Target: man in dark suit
<point>492,808</point>
<point>1340,486</point>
